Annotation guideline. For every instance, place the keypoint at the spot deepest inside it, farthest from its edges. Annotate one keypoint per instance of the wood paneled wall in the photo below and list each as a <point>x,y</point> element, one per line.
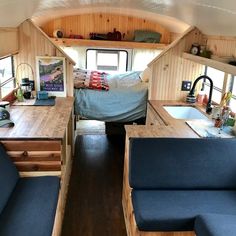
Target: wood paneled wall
<point>221,46</point>
<point>104,23</point>
<point>33,42</point>
<point>8,41</point>
<point>169,69</point>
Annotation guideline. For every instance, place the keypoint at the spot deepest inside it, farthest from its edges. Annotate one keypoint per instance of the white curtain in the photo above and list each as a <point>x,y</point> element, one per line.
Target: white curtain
<point>142,57</point>
<point>78,54</point>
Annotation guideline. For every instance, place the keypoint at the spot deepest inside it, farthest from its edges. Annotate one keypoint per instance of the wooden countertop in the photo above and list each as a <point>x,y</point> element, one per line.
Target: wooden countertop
<point>39,122</point>
<point>172,128</point>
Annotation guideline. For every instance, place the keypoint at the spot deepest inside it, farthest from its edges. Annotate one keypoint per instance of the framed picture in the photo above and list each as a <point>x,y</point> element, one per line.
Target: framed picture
<point>51,75</point>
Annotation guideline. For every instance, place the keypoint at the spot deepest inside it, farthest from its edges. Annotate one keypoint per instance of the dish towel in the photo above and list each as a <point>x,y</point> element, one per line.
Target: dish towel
<point>45,102</point>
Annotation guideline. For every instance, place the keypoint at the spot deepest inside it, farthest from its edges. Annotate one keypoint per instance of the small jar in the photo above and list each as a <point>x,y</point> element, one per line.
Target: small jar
<point>218,122</point>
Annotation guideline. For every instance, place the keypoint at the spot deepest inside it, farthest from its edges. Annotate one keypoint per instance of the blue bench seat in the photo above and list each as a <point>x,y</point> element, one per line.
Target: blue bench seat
<point>176,210</point>
<point>174,180</point>
<point>31,207</point>
<point>215,225</point>
<point>27,205</point>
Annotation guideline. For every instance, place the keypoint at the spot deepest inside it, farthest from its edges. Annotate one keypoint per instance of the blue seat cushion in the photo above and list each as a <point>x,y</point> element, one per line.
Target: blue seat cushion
<point>31,207</point>
<point>182,163</point>
<point>215,225</point>
<point>8,177</point>
<point>175,210</point>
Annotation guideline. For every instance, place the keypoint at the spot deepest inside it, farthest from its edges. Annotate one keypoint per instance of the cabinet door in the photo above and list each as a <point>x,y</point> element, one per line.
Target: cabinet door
<point>152,117</point>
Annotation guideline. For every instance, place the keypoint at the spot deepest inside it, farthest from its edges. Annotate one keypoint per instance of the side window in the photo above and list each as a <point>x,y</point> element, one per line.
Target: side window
<point>217,77</point>
<point>233,90</point>
<point>107,60</point>
<point>7,80</point>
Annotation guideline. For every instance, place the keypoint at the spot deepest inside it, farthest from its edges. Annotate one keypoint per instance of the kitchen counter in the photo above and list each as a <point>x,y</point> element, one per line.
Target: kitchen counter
<point>170,126</point>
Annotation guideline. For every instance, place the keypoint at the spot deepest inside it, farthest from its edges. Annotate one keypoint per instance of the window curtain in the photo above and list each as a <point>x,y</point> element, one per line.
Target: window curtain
<point>142,57</point>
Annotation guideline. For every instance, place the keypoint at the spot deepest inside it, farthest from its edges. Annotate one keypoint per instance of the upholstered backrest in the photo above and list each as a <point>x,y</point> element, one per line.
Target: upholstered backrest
<point>8,177</point>
<point>181,163</point>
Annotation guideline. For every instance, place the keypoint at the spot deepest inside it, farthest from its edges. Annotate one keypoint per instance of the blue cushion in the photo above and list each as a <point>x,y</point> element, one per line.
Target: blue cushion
<point>171,163</point>
<point>8,177</point>
<point>31,208</point>
<point>175,210</point>
<point>215,225</point>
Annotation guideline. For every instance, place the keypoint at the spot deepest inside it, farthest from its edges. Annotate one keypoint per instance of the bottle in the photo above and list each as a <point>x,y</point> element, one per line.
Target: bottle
<point>218,122</point>
<point>19,95</point>
<point>205,100</point>
<point>200,97</point>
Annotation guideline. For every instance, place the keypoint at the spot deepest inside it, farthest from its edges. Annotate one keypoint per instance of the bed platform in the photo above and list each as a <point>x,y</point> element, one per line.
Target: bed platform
<point>124,101</point>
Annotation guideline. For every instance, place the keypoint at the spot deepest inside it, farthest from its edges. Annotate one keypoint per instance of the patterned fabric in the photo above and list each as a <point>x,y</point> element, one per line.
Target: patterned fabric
<point>98,81</point>
<point>90,79</point>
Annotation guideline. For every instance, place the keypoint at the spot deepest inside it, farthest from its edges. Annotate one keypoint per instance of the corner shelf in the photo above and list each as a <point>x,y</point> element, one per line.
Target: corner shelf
<point>230,69</point>
<point>68,42</point>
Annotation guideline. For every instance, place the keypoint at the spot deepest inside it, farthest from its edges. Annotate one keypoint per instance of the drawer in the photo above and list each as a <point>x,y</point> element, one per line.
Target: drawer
<point>34,155</point>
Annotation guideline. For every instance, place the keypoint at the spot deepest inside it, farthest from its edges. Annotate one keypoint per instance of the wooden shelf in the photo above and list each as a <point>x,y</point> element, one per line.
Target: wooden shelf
<point>230,69</point>
<point>106,43</point>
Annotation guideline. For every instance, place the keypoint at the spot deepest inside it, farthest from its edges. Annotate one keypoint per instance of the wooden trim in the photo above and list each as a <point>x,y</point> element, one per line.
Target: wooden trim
<point>218,37</point>
<point>18,156</point>
<point>39,173</point>
<point>63,196</point>
<point>67,42</point>
<point>48,38</point>
<point>30,145</point>
<point>8,29</point>
<point>230,69</point>
<point>38,166</point>
<point>172,45</point>
<point>9,54</point>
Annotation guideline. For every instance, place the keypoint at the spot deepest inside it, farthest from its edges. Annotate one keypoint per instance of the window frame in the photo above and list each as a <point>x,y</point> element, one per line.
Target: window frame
<point>108,50</point>
<point>12,78</point>
<point>228,82</point>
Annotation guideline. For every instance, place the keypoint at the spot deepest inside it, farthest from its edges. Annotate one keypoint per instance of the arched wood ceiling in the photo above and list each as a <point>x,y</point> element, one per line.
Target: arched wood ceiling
<point>213,17</point>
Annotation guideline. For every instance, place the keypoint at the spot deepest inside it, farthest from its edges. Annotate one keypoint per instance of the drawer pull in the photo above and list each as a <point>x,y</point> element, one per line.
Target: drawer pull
<point>25,153</point>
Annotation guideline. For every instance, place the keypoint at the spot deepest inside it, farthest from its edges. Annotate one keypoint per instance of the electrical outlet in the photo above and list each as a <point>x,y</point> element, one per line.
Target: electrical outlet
<point>186,85</point>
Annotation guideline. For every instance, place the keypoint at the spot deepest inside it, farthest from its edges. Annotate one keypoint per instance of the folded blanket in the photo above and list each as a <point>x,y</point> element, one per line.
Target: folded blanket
<point>98,81</point>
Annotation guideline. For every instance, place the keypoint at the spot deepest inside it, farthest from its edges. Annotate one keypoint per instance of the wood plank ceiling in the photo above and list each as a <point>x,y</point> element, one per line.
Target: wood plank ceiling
<point>211,17</point>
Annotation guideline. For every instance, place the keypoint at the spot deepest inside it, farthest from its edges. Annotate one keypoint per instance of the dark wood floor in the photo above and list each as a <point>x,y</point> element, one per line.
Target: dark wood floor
<point>94,205</point>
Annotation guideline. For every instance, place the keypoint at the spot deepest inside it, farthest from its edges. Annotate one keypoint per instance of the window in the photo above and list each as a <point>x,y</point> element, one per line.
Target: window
<point>7,80</point>
<point>107,60</point>
<point>233,90</point>
<point>217,77</point>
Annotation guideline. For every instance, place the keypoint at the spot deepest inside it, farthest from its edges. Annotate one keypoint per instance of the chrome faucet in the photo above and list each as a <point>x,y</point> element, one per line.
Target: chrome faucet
<point>191,93</point>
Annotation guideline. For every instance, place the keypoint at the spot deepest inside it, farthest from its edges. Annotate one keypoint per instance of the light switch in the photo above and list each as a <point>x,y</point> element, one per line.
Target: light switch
<point>186,85</point>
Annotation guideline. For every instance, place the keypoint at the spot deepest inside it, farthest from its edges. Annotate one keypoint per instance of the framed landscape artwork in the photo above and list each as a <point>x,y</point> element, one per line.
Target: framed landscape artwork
<point>51,75</point>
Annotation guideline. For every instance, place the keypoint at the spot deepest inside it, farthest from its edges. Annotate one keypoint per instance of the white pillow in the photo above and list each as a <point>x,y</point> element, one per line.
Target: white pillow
<point>145,75</point>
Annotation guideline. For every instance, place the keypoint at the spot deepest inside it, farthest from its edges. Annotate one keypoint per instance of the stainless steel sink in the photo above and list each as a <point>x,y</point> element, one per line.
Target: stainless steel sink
<point>185,112</point>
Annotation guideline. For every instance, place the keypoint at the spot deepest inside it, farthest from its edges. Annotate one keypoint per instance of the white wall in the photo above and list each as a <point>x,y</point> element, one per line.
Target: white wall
<point>138,58</point>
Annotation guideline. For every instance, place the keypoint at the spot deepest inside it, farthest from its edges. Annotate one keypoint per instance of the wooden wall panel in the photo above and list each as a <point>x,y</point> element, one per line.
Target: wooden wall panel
<point>8,41</point>
<point>222,46</point>
<point>33,42</point>
<point>103,23</point>
<point>169,69</point>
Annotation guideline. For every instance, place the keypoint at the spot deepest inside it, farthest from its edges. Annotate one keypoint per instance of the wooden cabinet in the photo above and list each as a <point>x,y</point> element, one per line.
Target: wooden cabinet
<point>152,116</point>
